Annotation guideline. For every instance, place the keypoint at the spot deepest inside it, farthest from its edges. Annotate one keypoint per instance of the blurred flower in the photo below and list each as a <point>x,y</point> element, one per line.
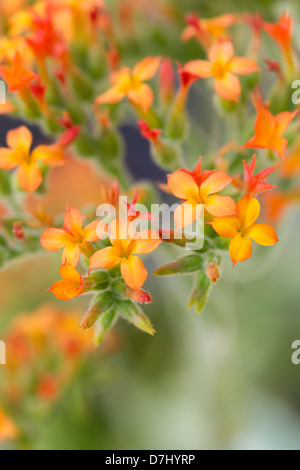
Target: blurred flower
<point>269,130</point>
<point>123,250</point>
<point>16,77</point>
<point>127,82</point>
<point>198,188</point>
<point>223,67</point>
<point>8,429</point>
<point>73,237</point>
<point>19,155</point>
<point>71,286</point>
<point>242,229</point>
<point>282,33</point>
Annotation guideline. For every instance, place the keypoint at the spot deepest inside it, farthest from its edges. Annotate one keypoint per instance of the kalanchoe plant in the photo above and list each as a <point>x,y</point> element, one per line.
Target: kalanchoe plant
<point>68,69</point>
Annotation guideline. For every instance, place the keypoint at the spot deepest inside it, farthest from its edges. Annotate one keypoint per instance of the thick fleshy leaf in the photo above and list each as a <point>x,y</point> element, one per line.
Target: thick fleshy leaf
<point>133,271</point>
<point>147,68</point>
<point>240,248</point>
<point>248,210</point>
<point>228,87</point>
<point>20,138</point>
<point>262,234</point>
<point>71,254</point>
<point>142,96</point>
<point>106,258</point>
<point>226,226</point>
<point>243,66</point>
<point>183,186</point>
<point>51,155</point>
<point>199,68</point>
<point>29,176</point>
<point>220,206</point>
<point>54,239</point>
<point>215,183</point>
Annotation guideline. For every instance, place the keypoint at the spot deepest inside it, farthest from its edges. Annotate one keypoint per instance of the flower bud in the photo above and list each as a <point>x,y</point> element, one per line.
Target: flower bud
<point>186,265</point>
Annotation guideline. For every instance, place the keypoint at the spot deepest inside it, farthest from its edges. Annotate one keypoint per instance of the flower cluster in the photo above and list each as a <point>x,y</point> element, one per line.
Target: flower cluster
<point>68,69</point>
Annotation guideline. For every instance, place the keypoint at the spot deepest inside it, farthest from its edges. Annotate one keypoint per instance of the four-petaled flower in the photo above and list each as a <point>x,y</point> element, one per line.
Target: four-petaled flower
<point>130,83</point>
<point>123,252</point>
<point>70,286</point>
<point>269,130</point>
<point>242,229</point>
<point>198,188</point>
<point>223,67</point>
<point>19,155</point>
<point>16,77</point>
<point>73,237</point>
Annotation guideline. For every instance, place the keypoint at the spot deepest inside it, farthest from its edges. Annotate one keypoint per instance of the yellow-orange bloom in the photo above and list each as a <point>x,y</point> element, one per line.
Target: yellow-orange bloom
<point>223,67</point>
<point>198,188</point>
<point>71,286</point>
<point>19,154</point>
<point>73,237</point>
<point>269,130</point>
<point>123,252</point>
<point>8,429</point>
<point>130,83</point>
<point>242,229</point>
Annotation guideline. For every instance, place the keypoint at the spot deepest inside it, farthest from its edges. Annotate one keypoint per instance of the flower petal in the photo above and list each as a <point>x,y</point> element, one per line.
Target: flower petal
<point>262,234</point>
<point>73,221</point>
<point>92,231</point>
<point>71,254</point>
<point>67,271</point>
<point>240,248</point>
<point>221,51</point>
<point>142,96</point>
<point>186,214</point>
<point>20,138</point>
<point>66,290</point>
<point>215,183</point>
<point>183,186</point>
<point>243,66</point>
<point>283,120</point>
<point>9,159</point>
<point>228,88</point>
<point>54,239</point>
<point>226,226</point>
<point>220,206</point>
<point>106,258</point>
<point>147,241</point>
<point>199,68</point>
<point>51,155</point>
<point>29,176</point>
<point>248,210</point>
<point>134,272</point>
<point>111,96</point>
<point>147,68</point>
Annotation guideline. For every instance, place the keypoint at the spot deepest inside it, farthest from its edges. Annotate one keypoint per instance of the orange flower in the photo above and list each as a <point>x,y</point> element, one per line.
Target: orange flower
<point>73,237</point>
<point>269,130</point>
<point>256,184</point>
<point>8,429</point>
<point>130,83</point>
<point>282,33</point>
<point>242,229</point>
<point>19,155</point>
<point>198,188</point>
<point>17,78</point>
<point>123,250</point>
<point>208,30</point>
<point>223,67</point>
<point>71,286</point>
<point>290,166</point>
